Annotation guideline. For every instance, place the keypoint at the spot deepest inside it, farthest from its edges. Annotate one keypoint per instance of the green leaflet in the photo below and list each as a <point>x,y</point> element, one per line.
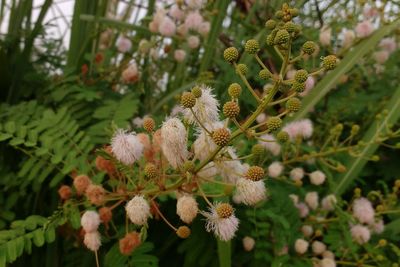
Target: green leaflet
<point>355,165</point>
<point>351,59</point>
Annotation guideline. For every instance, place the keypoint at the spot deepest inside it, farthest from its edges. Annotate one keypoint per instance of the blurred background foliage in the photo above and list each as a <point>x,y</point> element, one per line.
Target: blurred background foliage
<point>53,115</point>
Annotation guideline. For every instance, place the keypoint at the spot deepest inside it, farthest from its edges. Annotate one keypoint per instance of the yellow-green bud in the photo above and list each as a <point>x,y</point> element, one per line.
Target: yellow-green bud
<point>231,54</point>
<point>231,109</point>
<point>252,46</point>
<point>241,69</point>
<point>188,166</point>
<point>301,76</point>
<point>258,150</point>
<point>274,123</point>
<point>309,47</point>
<point>270,39</point>
<point>196,91</point>
<point>375,158</point>
<point>329,62</point>
<point>290,26</point>
<point>255,173</point>
<point>282,37</point>
<point>270,24</point>
<point>298,87</point>
<point>293,104</point>
<point>279,14</point>
<point>282,136</point>
<point>234,90</point>
<point>355,129</point>
<point>188,100</point>
<point>264,74</point>
<point>150,170</point>
<point>294,12</point>
<point>221,136</point>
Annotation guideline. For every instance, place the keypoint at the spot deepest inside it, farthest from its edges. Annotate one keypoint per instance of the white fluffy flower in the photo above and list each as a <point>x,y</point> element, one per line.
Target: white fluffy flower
<point>229,167</point>
<point>138,210</point>
<point>126,147</point>
<point>301,128</point>
<point>124,44</point>
<point>360,234</point>
<point>92,240</point>
<point>318,247</point>
<point>328,203</point>
<point>328,254</point>
<point>204,28</point>
<point>167,27</point>
<point>307,230</point>
<point>174,142</point>
<point>327,262</point>
<point>90,221</point>
<point>303,209</point>
<point>363,210</point>
<point>378,226</point>
<point>250,192</point>
<point>274,147</point>
<point>193,20</point>
<point>301,246</point>
<point>187,208</point>
<point>193,41</point>
<point>176,12</point>
<point>248,243</point>
<point>223,228</point>
<point>388,44</point>
<point>275,169</point>
<point>317,177</point>
<point>179,55</point>
<point>206,108</point>
<point>312,200</point>
<point>297,174</point>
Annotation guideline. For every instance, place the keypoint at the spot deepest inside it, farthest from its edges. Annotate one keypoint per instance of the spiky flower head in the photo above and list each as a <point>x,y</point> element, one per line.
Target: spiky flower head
<point>270,39</point>
<point>149,124</point>
<point>290,27</point>
<point>264,74</point>
<point>206,108</point>
<point>329,62</point>
<point>252,46</point>
<point>90,221</point>
<point>221,136</point>
<point>150,170</point>
<point>183,232</point>
<point>282,136</point>
<point>188,100</point>
<point>231,54</point>
<point>309,47</point>
<point>241,69</point>
<point>250,192</point>
<point>301,76</point>
<point>293,104</point>
<point>222,221</point>
<point>174,142</point>
<point>258,150</point>
<point>298,87</point>
<point>281,37</point>
<point>231,109</point>
<point>274,123</point>
<point>138,210</point>
<point>126,147</point>
<point>196,91</point>
<point>187,208</point>
<point>270,24</point>
<point>255,173</point>
<point>234,90</point>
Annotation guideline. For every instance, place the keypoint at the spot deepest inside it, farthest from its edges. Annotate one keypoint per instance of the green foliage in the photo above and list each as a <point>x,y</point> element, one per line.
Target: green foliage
<point>139,257</point>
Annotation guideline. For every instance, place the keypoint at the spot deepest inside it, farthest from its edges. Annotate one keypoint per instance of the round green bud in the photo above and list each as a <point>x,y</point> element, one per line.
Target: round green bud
<point>270,39</point>
<point>282,37</point>
<point>309,47</point>
<point>282,136</point>
<point>297,29</point>
<point>196,91</point>
<point>258,150</point>
<point>270,24</point>
<point>241,69</point>
<point>375,158</point>
<point>329,62</point>
<point>290,26</point>
<point>301,76</point>
<point>298,87</point>
<point>252,46</point>
<point>274,123</point>
<point>231,54</point>
<point>279,14</point>
<point>293,104</point>
<point>234,90</point>
<point>294,12</point>
<point>188,100</point>
<point>150,170</point>
<point>188,166</point>
<point>231,109</point>
<point>264,74</point>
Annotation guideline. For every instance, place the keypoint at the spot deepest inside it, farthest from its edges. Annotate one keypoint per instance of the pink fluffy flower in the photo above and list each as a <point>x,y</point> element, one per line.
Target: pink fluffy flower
<point>90,221</point>
<point>312,200</point>
<point>363,210</point>
<point>176,13</point>
<point>297,174</point>
<point>275,169</point>
<point>370,12</point>
<point>378,226</point>
<point>179,55</point>
<point>130,74</point>
<point>381,56</point>
<point>303,209</point>
<point>167,27</point>
<point>193,20</point>
<point>317,177</point>
<point>310,83</point>
<point>193,41</point>
<point>360,234</point>
<point>364,29</point>
<point>348,38</point>
<point>328,203</point>
<point>124,44</point>
<point>325,36</point>
<point>301,246</point>
<point>388,44</point>
<point>300,128</point>
<point>92,240</point>
<point>204,28</point>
